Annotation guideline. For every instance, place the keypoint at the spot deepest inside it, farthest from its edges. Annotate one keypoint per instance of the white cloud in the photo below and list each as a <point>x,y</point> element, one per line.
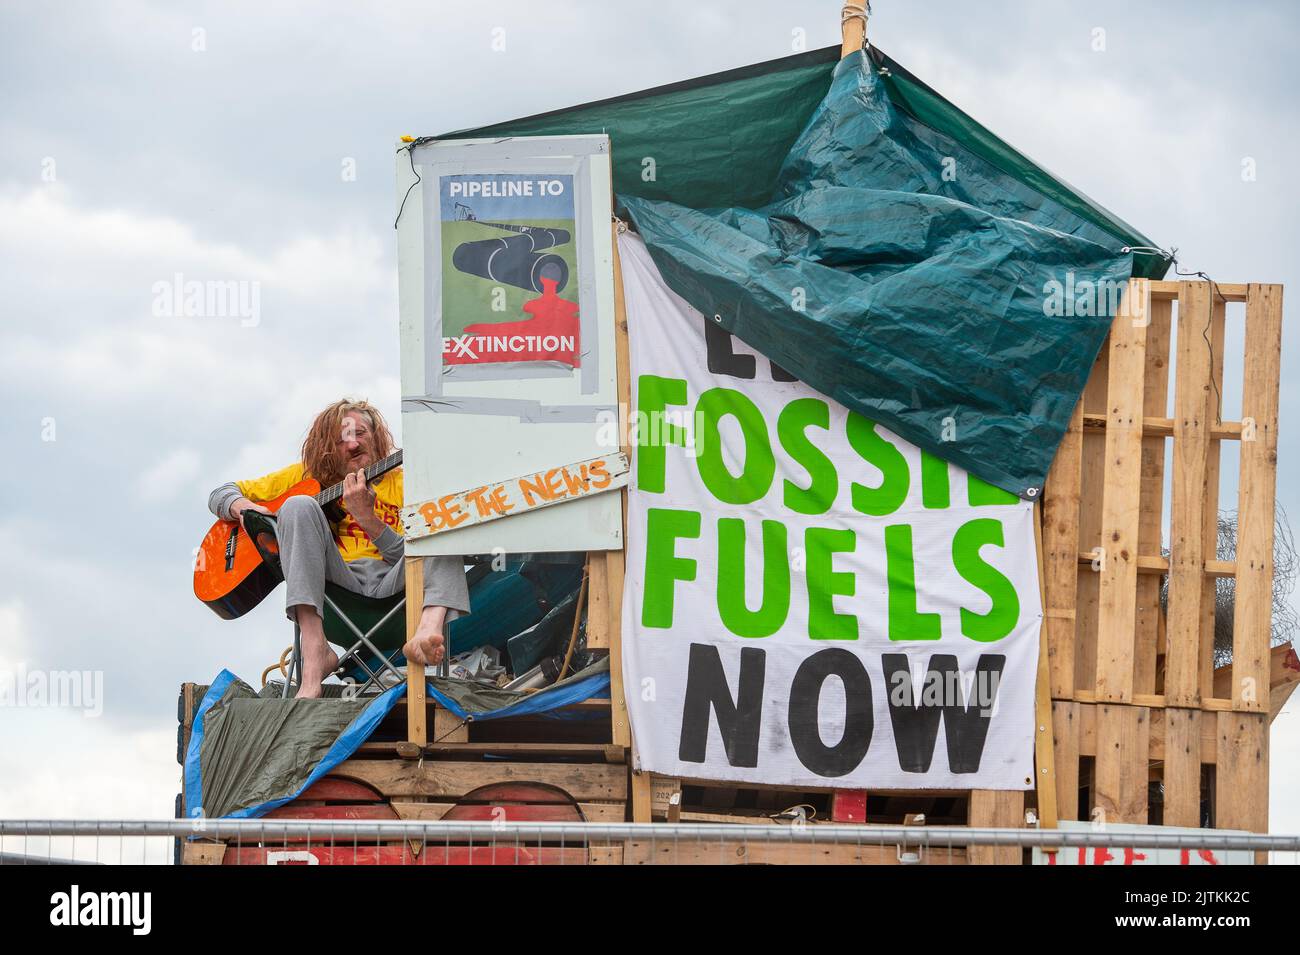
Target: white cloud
<point>13,636</point>
<point>164,479</point>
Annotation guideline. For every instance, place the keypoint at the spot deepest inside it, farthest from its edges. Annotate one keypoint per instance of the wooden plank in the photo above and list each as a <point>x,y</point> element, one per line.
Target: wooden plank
<point>1241,775</point>
<point>1207,736</point>
<point>597,601</point>
<point>1257,493</point>
<point>1157,700</point>
<point>1210,500</point>
<point>586,781</point>
<point>621,723</point>
<point>1155,401</point>
<point>1283,675</point>
<point>1065,742</point>
<point>1187,543</point>
<point>417,728</point>
<point>202,853</point>
<point>1092,483</point>
<point>508,854</point>
<point>1123,747</point>
<point>448,727</point>
<point>738,852</point>
<point>1044,754</point>
<point>1117,586</point>
<point>591,811</point>
<point>474,749</point>
<point>1150,564</point>
<point>996,809</point>
<point>1172,290</point>
<point>853,30</point>
<point>1156,425</point>
<point>1060,547</point>
<point>611,854</point>
<point>1182,767</point>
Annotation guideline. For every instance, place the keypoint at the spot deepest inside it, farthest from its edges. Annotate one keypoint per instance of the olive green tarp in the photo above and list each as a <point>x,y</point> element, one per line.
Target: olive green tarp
<point>872,239</point>
<point>250,752</point>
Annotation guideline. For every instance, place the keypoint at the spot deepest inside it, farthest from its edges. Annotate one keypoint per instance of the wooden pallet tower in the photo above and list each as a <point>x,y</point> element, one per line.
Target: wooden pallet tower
<point>1145,728</point>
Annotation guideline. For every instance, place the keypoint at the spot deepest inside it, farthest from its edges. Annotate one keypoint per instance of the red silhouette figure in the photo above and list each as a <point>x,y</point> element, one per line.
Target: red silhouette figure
<point>550,334</point>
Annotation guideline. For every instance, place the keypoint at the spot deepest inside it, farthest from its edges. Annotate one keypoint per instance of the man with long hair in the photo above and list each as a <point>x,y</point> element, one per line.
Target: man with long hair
<point>362,551</point>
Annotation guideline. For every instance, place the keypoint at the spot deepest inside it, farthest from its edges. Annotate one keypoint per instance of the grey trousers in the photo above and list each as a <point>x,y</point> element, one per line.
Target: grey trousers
<point>309,558</point>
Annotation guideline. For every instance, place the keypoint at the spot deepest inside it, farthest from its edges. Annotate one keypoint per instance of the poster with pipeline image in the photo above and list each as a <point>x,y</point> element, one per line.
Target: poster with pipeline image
<point>509,269</point>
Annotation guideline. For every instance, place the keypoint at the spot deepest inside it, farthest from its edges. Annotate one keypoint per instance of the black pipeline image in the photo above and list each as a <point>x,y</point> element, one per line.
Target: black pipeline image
<point>519,260</point>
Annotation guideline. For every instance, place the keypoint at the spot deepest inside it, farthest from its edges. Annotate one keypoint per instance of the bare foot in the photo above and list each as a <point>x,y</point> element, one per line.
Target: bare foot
<point>315,668</point>
<point>426,648</point>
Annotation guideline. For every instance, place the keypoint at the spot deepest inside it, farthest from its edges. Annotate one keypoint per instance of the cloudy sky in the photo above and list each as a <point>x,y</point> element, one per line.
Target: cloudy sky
<point>139,141</point>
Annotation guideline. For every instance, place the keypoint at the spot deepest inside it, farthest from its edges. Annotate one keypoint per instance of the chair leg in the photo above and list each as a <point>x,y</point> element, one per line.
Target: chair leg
<point>295,661</point>
<point>364,640</point>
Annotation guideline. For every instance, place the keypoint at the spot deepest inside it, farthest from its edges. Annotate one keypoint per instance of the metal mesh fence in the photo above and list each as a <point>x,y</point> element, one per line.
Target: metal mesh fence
<point>304,842</point>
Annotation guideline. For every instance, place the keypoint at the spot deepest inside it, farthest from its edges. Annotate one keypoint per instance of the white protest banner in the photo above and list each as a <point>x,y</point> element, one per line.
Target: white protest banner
<point>809,599</point>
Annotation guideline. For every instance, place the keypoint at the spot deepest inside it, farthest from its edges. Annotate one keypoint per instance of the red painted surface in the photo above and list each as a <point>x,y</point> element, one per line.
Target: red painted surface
<point>518,792</point>
<point>333,789</point>
<point>363,811</point>
<point>849,805</point>
<point>402,855</point>
<point>499,813</point>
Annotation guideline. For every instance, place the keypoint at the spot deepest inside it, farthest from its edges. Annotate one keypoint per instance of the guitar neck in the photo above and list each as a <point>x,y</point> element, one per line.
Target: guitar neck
<point>379,468</point>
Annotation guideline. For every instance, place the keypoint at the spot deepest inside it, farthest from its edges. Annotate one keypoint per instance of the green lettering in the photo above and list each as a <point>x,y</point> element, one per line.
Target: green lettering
<point>934,481</point>
<point>662,565</point>
<point>653,432</point>
<point>1002,616</point>
<point>775,605</point>
<point>905,623</point>
<point>980,493</point>
<point>824,583</point>
<point>824,483</point>
<point>759,467</point>
<point>872,448</point>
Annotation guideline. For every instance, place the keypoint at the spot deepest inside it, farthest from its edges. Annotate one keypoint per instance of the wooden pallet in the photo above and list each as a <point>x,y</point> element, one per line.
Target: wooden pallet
<point>476,772</point>
<point>1137,708</point>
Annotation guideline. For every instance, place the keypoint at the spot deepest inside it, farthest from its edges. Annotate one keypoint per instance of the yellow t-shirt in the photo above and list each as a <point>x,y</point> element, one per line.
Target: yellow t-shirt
<point>353,542</point>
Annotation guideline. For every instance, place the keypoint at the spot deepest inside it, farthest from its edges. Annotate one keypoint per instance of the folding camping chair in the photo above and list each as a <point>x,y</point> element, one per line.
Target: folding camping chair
<point>373,629</point>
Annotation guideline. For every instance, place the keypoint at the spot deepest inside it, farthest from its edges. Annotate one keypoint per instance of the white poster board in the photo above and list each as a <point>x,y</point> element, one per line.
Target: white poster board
<point>811,600</point>
<point>506,301</point>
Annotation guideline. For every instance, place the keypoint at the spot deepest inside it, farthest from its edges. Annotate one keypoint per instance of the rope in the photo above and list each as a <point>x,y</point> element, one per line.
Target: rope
<point>577,614</point>
<point>282,666</point>
<point>856,11</point>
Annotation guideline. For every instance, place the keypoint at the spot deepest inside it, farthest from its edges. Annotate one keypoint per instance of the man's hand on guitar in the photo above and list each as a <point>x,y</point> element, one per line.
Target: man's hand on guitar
<point>244,504</point>
<point>359,499</point>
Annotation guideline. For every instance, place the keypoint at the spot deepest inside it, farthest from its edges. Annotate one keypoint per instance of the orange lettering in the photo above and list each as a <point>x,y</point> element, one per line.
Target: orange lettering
<point>553,482</point>
<point>576,485</point>
<point>600,477</point>
<point>534,484</point>
<point>498,501</point>
<point>476,496</point>
<point>443,515</point>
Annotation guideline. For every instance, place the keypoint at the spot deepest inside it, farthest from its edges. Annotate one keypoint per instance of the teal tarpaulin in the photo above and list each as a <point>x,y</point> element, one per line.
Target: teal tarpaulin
<point>907,278</point>
<point>877,243</point>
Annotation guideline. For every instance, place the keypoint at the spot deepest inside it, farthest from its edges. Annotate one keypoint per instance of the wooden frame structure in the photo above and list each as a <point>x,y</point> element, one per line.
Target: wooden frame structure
<point>1145,729</point>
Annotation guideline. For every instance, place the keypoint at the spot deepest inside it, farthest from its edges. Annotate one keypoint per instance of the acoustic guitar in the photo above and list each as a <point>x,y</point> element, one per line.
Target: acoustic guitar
<point>230,574</point>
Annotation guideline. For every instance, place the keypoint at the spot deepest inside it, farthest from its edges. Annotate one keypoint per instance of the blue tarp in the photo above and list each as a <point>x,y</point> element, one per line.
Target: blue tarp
<point>248,754</point>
